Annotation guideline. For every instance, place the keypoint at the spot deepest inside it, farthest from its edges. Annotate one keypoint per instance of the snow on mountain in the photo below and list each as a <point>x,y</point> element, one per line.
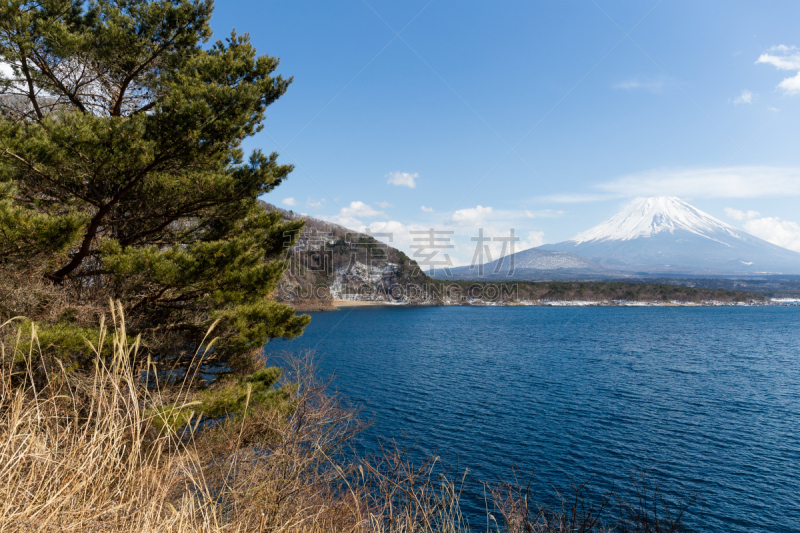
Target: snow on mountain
<point>668,236</point>
<point>649,216</point>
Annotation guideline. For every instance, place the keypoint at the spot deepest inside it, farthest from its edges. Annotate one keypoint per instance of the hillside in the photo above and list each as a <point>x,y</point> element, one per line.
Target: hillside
<point>330,262</point>
<point>533,264</point>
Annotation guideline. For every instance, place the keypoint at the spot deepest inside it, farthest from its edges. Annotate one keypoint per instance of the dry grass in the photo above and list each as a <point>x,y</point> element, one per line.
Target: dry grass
<point>80,453</point>
<point>79,458</point>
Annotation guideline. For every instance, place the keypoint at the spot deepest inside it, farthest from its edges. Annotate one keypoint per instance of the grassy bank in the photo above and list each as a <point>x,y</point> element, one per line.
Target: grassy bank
<point>94,452</point>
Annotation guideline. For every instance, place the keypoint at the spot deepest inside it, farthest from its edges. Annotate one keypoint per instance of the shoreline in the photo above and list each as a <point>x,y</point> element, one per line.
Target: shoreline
<point>337,304</point>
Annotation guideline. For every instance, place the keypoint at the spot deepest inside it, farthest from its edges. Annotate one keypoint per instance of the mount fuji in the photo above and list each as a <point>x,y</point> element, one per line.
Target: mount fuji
<point>668,236</point>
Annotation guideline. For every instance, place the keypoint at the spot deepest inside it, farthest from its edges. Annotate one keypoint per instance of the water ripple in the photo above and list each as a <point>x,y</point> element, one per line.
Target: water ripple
<point>706,400</point>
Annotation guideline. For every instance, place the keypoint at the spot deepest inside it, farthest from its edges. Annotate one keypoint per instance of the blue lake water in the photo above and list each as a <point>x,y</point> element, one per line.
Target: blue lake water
<point>705,400</point>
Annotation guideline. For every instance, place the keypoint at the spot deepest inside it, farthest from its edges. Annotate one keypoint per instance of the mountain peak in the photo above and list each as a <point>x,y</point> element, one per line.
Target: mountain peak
<point>647,217</point>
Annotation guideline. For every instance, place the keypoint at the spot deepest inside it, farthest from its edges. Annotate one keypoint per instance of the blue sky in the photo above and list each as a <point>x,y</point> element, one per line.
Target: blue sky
<point>547,117</point>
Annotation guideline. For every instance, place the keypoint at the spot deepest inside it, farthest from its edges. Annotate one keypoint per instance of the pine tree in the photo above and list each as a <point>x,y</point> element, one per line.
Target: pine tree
<point>122,176</point>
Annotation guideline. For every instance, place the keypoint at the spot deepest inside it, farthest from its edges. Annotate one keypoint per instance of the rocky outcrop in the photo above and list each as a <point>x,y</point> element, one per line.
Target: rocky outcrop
<point>331,263</point>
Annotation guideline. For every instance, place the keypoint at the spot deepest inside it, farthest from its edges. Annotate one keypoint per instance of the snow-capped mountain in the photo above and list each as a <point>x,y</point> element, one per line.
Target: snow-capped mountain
<point>655,215</point>
<point>668,236</point>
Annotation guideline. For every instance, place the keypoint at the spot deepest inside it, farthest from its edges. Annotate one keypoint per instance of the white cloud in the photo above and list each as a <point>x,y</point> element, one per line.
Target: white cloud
<point>745,98</point>
<point>740,215</point>
<point>399,234</point>
<point>5,70</point>
<point>652,85</point>
<point>784,57</point>
<point>360,209</point>
<point>781,232</point>
<point>791,85</point>
<point>573,198</point>
<point>350,216</point>
<point>532,240</point>
<point>723,182</point>
<point>383,205</point>
<point>464,248</point>
<point>289,201</point>
<point>772,229</point>
<point>388,226</point>
<point>402,179</point>
<point>427,209</point>
<point>315,203</point>
<point>348,222</point>
<point>464,224</point>
<point>544,213</point>
<point>471,216</point>
<point>698,182</point>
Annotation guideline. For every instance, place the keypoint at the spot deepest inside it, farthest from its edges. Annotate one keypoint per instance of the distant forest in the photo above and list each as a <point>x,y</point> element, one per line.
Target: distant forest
<point>590,291</point>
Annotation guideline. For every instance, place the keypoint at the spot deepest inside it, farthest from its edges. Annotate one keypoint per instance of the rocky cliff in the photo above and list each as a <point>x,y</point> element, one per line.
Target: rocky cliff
<point>331,263</point>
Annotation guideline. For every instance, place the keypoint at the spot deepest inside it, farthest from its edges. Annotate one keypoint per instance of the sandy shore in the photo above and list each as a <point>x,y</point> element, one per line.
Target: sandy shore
<point>353,303</point>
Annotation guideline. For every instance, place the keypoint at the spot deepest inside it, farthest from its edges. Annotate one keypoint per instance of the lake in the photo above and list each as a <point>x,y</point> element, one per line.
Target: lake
<point>705,400</point>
